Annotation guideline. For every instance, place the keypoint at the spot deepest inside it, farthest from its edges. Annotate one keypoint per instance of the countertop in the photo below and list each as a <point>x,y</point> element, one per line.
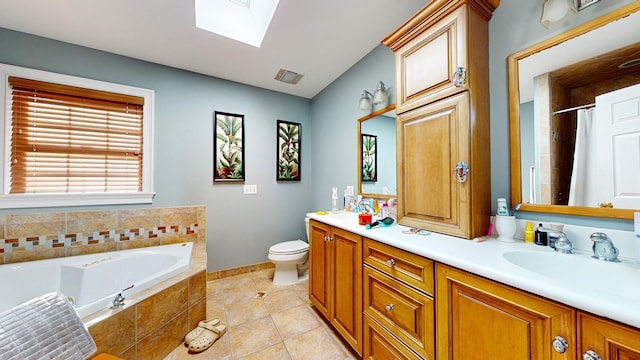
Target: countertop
<point>587,292</point>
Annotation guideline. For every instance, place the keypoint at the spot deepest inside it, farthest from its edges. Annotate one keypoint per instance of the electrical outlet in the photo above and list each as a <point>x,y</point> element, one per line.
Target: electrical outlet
<point>250,189</point>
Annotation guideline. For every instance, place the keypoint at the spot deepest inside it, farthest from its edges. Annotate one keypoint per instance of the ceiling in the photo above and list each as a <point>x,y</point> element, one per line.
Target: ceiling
<point>321,39</point>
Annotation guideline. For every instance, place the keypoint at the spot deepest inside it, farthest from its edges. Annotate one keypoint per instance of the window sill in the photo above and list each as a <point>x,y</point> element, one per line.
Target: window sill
<point>20,201</point>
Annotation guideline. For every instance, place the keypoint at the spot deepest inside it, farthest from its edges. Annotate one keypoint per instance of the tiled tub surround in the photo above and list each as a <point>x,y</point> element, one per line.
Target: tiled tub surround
<point>152,322</point>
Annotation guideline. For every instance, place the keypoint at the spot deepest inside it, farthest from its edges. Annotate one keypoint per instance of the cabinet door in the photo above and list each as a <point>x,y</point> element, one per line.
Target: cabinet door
<point>431,142</point>
<point>380,345</point>
<point>480,319</point>
<point>320,266</point>
<point>426,65</point>
<point>346,315</point>
<point>610,340</point>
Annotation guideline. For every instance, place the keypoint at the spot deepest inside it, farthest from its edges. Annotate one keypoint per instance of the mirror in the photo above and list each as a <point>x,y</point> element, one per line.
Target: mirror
<point>532,121</point>
<point>377,154</point>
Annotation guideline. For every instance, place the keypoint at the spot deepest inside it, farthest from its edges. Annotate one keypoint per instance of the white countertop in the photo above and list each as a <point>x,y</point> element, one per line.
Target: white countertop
<point>592,291</point>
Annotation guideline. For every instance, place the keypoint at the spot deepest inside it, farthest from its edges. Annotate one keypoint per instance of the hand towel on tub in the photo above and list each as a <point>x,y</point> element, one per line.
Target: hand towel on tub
<point>44,328</point>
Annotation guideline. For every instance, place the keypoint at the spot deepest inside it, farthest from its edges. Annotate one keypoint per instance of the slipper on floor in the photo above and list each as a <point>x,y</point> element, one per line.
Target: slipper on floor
<point>207,338</point>
<point>193,334</point>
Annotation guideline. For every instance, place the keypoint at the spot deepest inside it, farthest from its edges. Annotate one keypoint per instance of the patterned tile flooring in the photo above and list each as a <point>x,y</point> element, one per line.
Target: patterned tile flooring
<point>281,324</point>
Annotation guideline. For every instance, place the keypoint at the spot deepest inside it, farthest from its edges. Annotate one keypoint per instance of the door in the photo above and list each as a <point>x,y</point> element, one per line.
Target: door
<point>618,126</point>
<point>431,141</point>
<point>347,279</point>
<point>479,319</point>
<point>607,339</point>
<point>320,267</point>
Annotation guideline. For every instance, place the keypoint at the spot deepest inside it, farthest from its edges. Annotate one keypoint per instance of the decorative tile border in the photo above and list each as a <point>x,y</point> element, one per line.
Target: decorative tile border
<point>27,243</point>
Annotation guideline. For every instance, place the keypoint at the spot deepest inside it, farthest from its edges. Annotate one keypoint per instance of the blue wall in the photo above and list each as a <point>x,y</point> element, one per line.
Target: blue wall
<point>241,228</point>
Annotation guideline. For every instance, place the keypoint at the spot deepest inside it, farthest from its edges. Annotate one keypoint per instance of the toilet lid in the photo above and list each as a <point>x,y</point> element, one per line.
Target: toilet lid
<point>289,247</point>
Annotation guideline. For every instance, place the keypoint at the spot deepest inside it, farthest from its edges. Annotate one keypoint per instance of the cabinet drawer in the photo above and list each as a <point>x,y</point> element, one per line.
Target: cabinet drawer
<point>381,345</point>
<point>404,311</point>
<point>413,269</point>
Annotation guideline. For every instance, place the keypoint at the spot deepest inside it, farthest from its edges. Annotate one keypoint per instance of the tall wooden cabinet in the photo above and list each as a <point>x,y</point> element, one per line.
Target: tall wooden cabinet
<point>442,129</point>
<point>335,279</point>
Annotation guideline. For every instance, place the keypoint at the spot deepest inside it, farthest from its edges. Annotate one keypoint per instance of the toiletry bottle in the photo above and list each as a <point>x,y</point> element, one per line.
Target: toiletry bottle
<point>502,207</point>
<point>540,236</point>
<point>376,207</point>
<point>334,199</point>
<point>528,233</point>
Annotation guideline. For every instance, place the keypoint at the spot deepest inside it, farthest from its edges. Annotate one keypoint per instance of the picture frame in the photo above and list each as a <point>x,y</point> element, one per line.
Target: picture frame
<point>228,149</point>
<point>288,161</point>
<point>369,165</point>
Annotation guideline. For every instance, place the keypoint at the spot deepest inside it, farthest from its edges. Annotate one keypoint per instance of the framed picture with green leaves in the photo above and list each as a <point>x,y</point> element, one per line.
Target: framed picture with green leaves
<point>369,158</point>
<point>288,152</point>
<point>228,152</point>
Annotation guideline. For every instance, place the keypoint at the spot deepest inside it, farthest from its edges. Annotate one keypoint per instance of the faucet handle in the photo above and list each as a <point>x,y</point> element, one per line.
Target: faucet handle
<point>118,301</point>
<point>603,248</point>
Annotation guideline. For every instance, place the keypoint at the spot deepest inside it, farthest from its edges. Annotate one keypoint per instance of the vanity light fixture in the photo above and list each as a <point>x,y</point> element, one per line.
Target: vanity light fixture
<point>556,10</point>
<point>379,98</point>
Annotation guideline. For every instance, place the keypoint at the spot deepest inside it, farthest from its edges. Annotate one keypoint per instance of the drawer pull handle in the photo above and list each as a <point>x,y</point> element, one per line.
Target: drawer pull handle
<point>559,344</point>
<point>391,262</point>
<point>327,238</point>
<point>591,355</point>
<point>389,307</point>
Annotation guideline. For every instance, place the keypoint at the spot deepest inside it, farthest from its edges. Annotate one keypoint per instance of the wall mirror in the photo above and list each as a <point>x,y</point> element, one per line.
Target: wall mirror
<point>549,83</point>
<point>377,154</point>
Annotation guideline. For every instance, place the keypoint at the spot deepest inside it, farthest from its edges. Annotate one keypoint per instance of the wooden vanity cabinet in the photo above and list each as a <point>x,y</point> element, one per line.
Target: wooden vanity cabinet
<point>398,303</point>
<point>335,279</point>
<point>443,117</point>
<point>607,339</point>
<point>481,319</point>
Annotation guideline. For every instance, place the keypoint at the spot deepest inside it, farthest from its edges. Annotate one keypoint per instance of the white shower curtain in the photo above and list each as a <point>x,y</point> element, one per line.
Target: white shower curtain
<point>583,192</point>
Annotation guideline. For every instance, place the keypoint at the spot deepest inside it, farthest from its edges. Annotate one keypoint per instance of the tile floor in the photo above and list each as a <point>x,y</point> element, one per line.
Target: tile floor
<point>281,324</point>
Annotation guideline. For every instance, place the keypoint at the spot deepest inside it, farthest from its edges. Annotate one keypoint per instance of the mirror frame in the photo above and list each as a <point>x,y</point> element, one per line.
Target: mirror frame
<point>359,151</point>
<point>514,120</point>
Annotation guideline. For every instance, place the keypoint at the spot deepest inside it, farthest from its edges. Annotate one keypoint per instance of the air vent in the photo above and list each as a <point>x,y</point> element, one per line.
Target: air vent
<point>288,76</point>
<point>629,64</point>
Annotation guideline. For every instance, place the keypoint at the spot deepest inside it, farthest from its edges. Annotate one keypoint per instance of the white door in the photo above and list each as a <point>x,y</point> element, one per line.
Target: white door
<point>618,125</point>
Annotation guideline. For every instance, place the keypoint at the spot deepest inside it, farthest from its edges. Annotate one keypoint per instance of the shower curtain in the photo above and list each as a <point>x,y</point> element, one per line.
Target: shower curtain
<point>583,192</point>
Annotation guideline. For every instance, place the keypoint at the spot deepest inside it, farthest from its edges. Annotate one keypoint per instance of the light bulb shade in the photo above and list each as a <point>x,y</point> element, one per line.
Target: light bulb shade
<point>381,96</point>
<point>555,10</point>
<point>365,101</point>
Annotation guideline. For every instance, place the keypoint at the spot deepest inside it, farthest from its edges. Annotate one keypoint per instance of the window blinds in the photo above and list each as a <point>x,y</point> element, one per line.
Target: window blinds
<point>67,139</point>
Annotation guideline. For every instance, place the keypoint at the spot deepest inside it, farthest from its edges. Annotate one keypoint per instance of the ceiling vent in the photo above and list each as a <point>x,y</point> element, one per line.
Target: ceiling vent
<point>288,76</point>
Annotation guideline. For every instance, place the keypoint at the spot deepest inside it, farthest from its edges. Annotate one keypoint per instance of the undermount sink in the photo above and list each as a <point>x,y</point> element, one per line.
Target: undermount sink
<point>580,270</point>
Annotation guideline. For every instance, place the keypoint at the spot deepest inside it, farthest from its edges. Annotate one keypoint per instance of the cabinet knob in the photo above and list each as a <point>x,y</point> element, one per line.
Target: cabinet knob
<point>327,238</point>
<point>559,344</point>
<point>591,355</point>
<point>389,307</point>
<point>391,262</point>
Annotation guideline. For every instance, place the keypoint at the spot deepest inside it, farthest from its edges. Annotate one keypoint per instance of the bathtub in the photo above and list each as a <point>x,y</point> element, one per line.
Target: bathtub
<point>91,282</point>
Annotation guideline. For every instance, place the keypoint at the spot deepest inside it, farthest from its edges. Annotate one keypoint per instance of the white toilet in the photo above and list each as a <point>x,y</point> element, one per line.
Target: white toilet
<point>291,260</point>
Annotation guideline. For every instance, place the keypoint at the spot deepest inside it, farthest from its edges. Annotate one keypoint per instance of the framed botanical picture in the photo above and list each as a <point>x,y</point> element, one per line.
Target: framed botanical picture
<point>228,152</point>
<point>369,158</point>
<point>288,152</point>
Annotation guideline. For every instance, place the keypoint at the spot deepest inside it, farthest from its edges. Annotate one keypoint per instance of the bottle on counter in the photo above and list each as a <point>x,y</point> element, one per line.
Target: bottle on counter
<point>541,236</point>
<point>528,233</point>
<point>503,210</point>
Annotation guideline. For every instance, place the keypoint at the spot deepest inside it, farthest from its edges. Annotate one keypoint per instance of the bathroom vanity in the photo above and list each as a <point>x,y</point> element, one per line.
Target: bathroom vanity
<point>439,296</point>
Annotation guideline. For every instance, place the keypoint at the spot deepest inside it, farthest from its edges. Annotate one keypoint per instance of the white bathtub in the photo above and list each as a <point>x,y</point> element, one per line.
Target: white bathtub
<point>92,281</point>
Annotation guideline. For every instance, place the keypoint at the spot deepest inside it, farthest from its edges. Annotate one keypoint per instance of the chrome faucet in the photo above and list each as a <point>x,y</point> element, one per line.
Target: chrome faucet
<point>603,248</point>
<point>563,244</point>
<point>118,301</point>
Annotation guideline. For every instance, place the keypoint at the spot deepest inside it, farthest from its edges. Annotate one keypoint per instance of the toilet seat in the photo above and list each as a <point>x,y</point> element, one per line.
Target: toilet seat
<point>289,248</point>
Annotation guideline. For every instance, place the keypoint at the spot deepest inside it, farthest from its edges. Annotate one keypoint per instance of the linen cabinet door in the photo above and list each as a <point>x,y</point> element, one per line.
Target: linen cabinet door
<point>320,267</point>
<point>427,66</point>
<point>479,319</point>
<point>607,340</point>
<point>432,140</point>
<point>346,315</point>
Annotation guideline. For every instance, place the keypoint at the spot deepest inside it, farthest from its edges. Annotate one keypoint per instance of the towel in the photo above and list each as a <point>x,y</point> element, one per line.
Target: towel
<point>44,328</point>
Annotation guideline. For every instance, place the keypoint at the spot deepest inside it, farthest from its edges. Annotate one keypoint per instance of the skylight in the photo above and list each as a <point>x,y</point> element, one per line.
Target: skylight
<point>239,20</point>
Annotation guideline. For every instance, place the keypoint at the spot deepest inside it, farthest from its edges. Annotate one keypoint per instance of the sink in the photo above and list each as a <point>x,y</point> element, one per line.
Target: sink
<point>578,270</point>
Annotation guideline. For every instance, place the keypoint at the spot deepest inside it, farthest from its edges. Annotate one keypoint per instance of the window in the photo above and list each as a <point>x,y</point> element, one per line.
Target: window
<point>71,141</point>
